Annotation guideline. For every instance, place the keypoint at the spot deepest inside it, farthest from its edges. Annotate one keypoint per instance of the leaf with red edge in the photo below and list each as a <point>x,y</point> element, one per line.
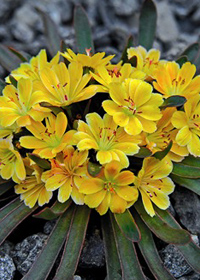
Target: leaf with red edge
<point>147,24</point>
<point>55,211</point>
<point>7,59</point>
<point>190,184</point>
<point>113,266</point>
<point>74,243</point>
<point>131,268</point>
<point>190,251</point>
<point>18,54</point>
<point>44,262</point>
<point>150,253</point>
<point>128,226</point>
<point>82,31</point>
<point>161,229</point>
<point>13,214</point>
<point>51,32</point>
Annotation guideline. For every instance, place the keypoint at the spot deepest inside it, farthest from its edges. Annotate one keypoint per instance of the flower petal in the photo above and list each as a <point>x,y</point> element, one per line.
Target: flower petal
<point>93,200</point>
<point>117,204</point>
<point>127,193</point>
<point>90,186</point>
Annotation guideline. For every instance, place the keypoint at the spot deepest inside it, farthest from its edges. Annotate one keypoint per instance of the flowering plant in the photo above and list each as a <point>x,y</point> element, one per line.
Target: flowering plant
<point>80,130</point>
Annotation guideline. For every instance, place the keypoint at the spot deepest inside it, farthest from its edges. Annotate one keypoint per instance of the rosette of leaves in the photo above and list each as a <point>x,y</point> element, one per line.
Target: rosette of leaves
<point>126,236</point>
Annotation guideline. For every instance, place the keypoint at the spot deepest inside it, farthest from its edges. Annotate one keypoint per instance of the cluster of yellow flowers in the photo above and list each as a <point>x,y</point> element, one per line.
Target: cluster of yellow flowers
<point>35,118</point>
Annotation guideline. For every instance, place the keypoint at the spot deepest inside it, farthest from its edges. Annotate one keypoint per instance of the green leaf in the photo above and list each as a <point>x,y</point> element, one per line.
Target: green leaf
<point>143,153</point>
<point>55,211</point>
<point>181,60</point>
<point>18,54</point>
<point>41,162</point>
<point>147,24</point>
<point>129,44</point>
<point>15,215</point>
<point>128,226</point>
<point>13,81</point>
<point>160,228</point>
<point>9,207</point>
<point>113,266</point>
<point>46,259</point>
<point>191,161</point>
<point>131,268</point>
<point>150,253</point>
<point>192,52</point>
<point>74,243</point>
<point>186,171</point>
<point>5,186</point>
<point>7,59</point>
<point>191,184</point>
<point>82,30</point>
<point>173,101</point>
<point>190,251</point>
<point>94,169</point>
<point>51,32</point>
<point>160,155</point>
<point>2,86</point>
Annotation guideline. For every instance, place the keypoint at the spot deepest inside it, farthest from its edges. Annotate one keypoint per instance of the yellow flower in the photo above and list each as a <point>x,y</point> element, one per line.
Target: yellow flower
<point>111,190</point>
<point>65,175</point>
<point>9,130</point>
<point>31,70</point>
<point>134,106</point>
<point>160,139</point>
<point>153,183</point>
<point>106,75</point>
<point>173,80</point>
<point>88,60</point>
<point>21,105</point>
<point>110,142</point>
<point>188,125</point>
<point>147,62</point>
<point>50,139</point>
<point>64,86</point>
<point>11,163</point>
<point>33,190</point>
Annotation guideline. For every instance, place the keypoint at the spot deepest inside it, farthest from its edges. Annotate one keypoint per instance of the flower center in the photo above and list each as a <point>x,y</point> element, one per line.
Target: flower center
<point>109,186</point>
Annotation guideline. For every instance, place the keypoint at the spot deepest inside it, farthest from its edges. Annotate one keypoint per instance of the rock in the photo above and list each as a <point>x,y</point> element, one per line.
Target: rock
<point>174,261</point>
<point>192,276</point>
<point>76,277</point>
<point>92,255</point>
<point>6,247</point>
<point>7,267</point>
<point>183,8</point>
<point>28,16</point>
<point>21,32</point>
<point>124,7</point>
<point>49,226</point>
<point>26,252</point>
<point>189,214</point>
<point>167,29</point>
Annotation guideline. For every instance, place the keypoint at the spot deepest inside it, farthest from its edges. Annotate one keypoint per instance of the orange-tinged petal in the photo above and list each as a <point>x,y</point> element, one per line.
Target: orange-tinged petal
<point>127,193</point>
<point>112,169</point>
<point>103,207</point>
<point>95,199</point>
<point>117,204</point>
<point>90,186</point>
<point>124,178</point>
